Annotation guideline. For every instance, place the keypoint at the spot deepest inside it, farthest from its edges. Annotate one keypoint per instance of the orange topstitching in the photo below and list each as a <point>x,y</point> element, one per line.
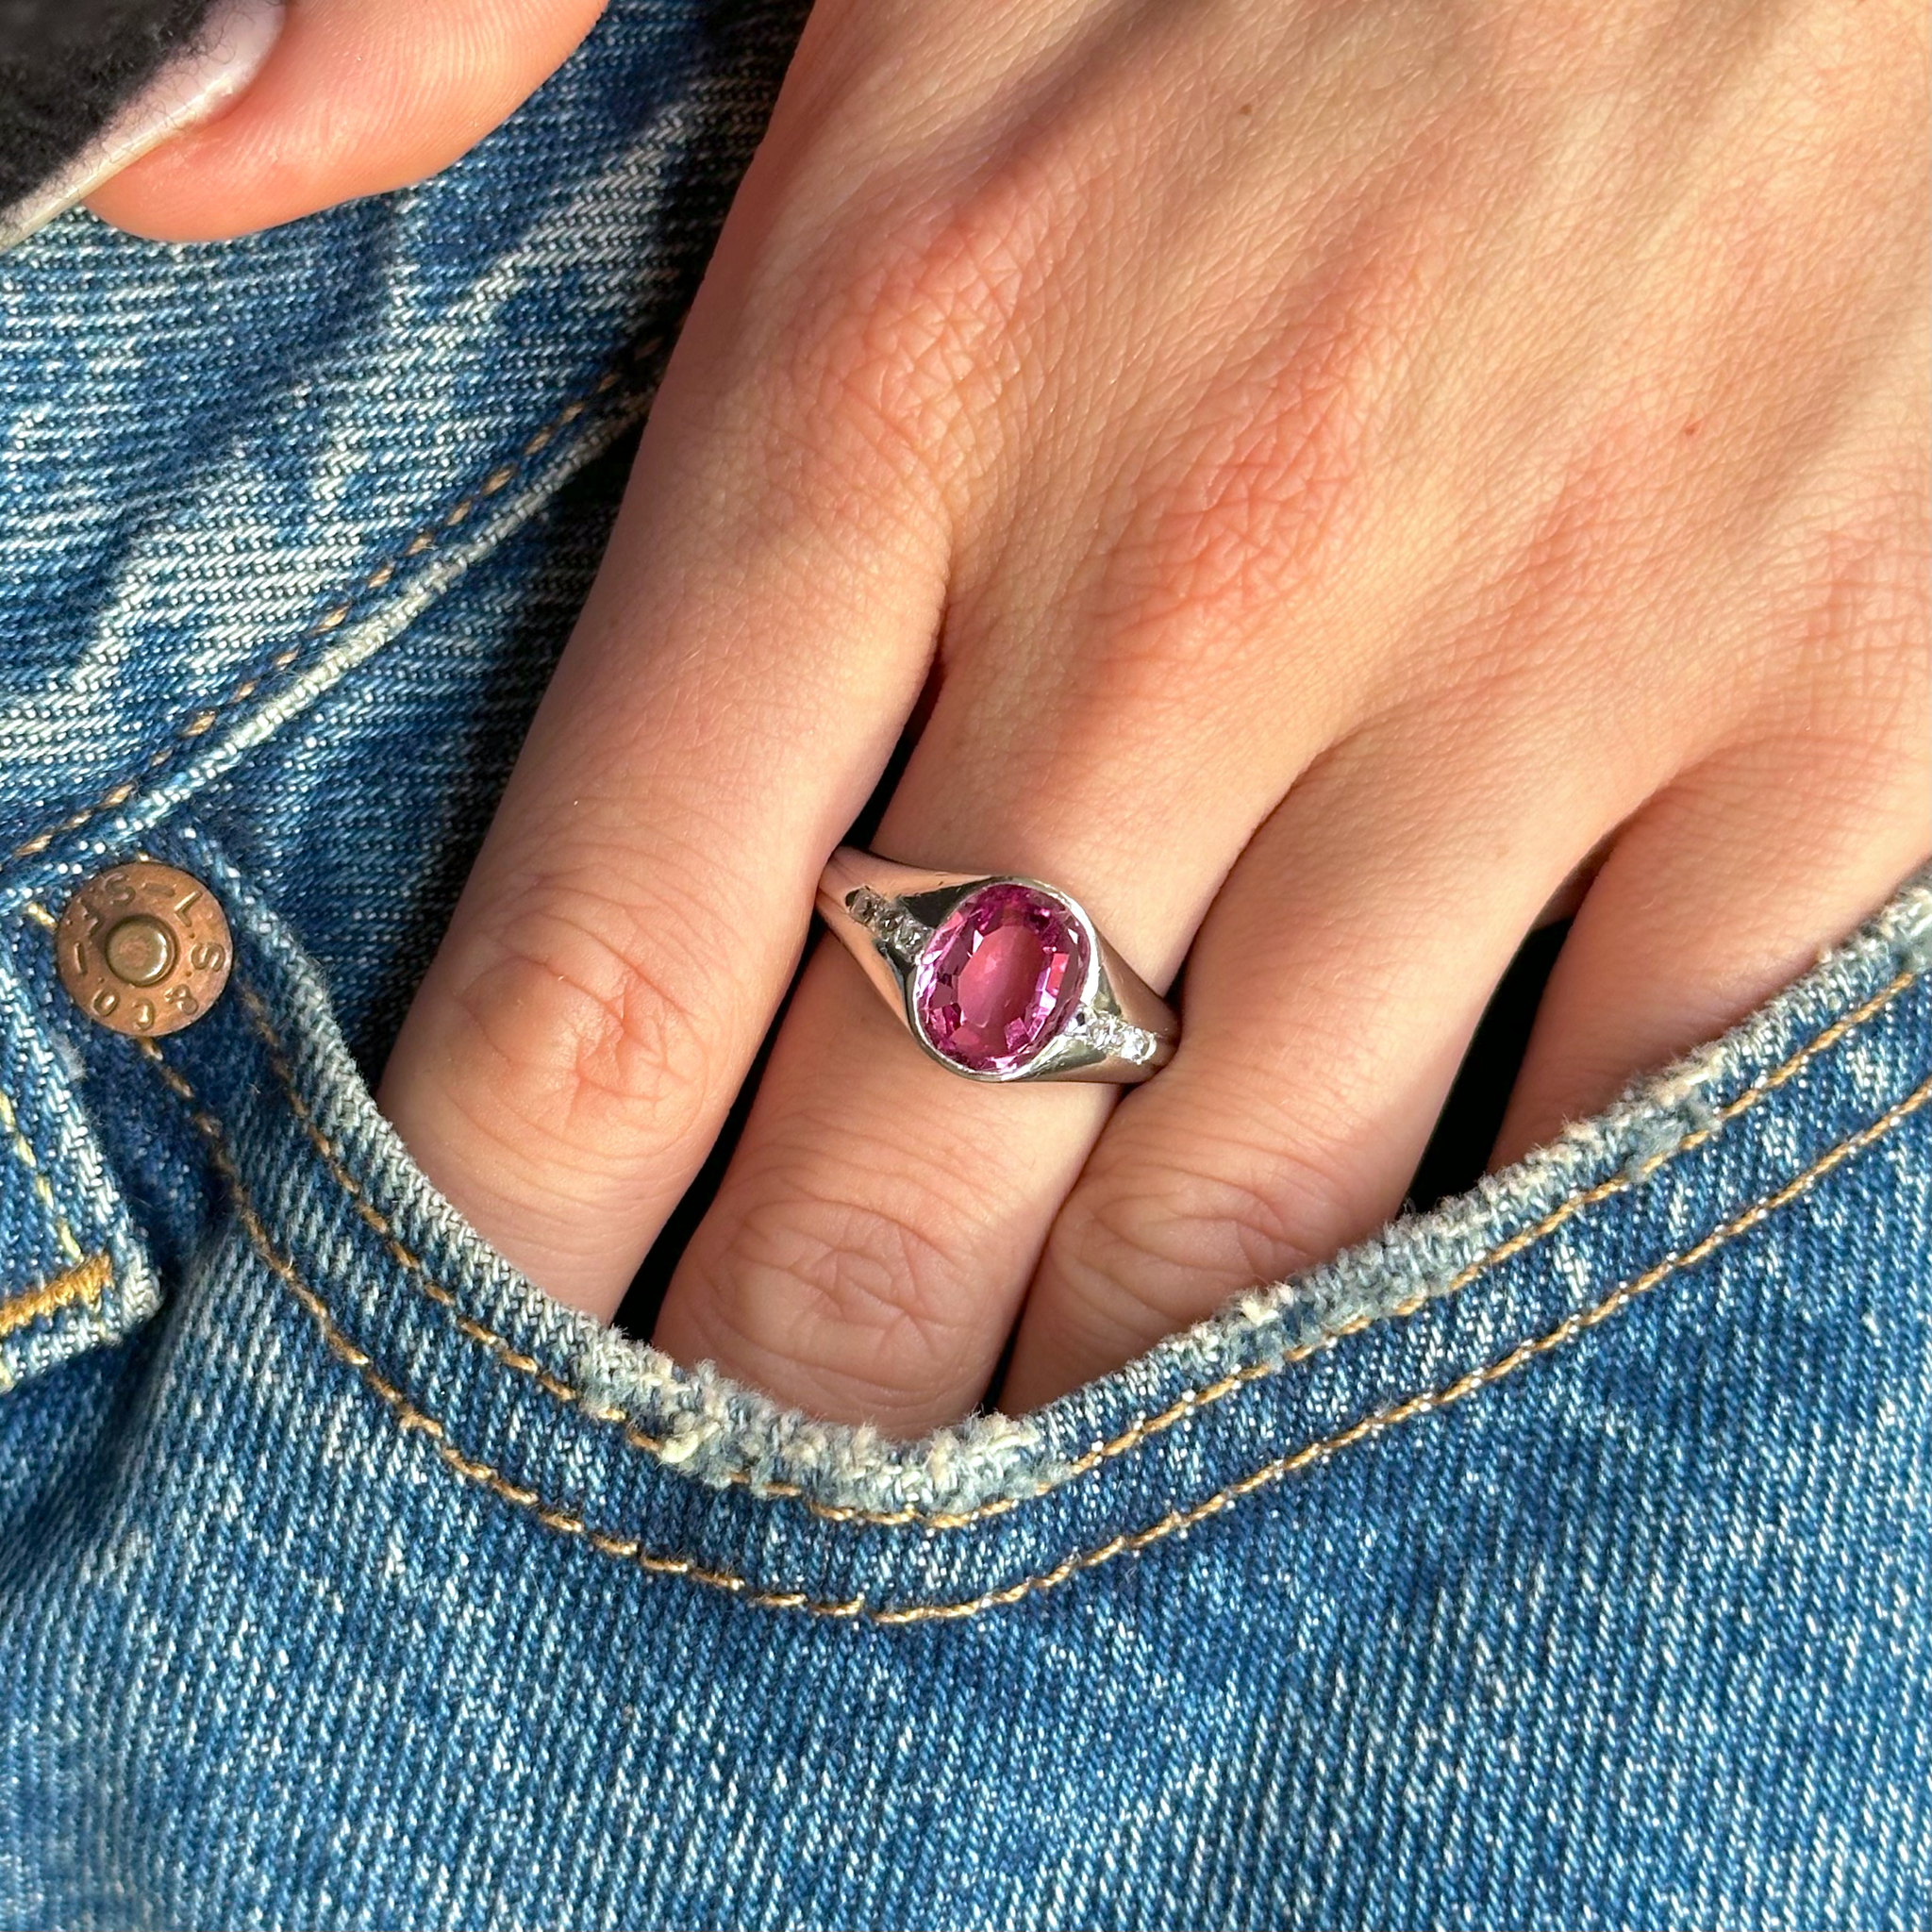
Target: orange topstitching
<point>82,1284</point>
<point>1137,1432</point>
<point>566,1521</point>
<point>497,478</point>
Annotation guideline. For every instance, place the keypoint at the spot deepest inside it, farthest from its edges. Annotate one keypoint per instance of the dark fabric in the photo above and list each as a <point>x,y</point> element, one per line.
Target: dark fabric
<point>67,65</point>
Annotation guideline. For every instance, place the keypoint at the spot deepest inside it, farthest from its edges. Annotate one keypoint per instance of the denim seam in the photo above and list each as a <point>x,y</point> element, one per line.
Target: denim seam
<point>565,1520</point>
<point>84,1284</point>
<point>1137,1432</point>
<point>23,1151</point>
<point>495,480</point>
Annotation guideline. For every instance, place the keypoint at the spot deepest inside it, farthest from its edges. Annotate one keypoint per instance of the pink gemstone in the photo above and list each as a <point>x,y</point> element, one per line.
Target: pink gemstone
<point>999,976</point>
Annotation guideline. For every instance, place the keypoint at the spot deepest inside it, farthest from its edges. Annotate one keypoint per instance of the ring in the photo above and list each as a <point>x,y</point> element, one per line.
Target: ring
<point>997,977</point>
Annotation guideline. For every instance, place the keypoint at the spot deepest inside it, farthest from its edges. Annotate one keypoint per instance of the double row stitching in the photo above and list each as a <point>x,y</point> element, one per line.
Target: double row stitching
<point>1143,1428</point>
<point>1179,1520</point>
<point>411,1420</point>
<point>406,1258</point>
<point>497,478</point>
<point>85,1283</point>
<point>23,1152</point>
<point>567,1521</point>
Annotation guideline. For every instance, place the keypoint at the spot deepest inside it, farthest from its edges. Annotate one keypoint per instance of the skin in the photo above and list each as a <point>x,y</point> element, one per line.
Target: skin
<point>1345,481</point>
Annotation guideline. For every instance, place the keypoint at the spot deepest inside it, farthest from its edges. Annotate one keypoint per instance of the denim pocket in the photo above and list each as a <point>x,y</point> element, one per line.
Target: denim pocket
<point>74,1272</point>
<point>1555,1559</point>
<point>683,1473</point>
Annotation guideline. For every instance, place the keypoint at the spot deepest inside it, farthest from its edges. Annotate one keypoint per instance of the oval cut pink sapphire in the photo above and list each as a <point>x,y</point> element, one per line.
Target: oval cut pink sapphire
<point>999,976</point>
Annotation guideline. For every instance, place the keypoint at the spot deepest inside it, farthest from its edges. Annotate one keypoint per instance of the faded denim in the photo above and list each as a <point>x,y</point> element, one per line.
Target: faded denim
<point>1557,1558</point>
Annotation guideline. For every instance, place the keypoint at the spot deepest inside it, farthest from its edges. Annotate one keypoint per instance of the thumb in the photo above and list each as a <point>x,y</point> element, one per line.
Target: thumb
<point>356,96</point>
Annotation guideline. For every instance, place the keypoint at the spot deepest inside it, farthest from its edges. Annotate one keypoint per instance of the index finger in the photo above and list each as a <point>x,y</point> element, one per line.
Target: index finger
<point>735,685</point>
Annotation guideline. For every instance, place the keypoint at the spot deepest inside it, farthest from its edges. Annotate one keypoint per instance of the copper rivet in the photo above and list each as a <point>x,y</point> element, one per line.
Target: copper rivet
<point>140,950</point>
<point>143,949</point>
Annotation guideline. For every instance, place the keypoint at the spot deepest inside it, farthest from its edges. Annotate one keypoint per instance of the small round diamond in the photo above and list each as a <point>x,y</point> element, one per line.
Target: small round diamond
<point>999,978</point>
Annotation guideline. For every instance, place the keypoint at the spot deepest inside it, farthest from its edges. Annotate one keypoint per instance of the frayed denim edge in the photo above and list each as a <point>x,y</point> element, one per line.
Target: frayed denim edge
<point>721,1432</point>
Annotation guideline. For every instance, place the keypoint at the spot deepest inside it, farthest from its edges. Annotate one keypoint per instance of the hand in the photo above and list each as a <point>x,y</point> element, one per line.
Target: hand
<point>1340,476</point>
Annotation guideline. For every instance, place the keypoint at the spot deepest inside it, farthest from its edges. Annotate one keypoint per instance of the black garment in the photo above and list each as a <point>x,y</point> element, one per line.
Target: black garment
<point>67,65</point>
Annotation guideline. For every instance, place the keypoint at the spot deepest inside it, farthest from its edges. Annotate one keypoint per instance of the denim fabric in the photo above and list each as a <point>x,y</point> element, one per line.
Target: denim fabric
<point>1557,1559</point>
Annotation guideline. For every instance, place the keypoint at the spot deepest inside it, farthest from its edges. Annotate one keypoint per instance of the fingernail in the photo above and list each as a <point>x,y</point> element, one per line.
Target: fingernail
<point>194,86</point>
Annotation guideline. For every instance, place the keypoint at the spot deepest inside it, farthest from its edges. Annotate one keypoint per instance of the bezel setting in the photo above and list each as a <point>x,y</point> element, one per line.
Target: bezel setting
<point>1108,1027</point>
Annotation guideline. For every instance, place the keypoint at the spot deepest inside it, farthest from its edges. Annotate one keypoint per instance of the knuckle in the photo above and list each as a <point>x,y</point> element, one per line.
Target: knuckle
<point>1869,607</point>
<point>910,325</point>
<point>1844,695</point>
<point>1255,507</point>
<point>863,1299</point>
<point>596,1022</point>
<point>1146,1253</point>
<point>1258,495</point>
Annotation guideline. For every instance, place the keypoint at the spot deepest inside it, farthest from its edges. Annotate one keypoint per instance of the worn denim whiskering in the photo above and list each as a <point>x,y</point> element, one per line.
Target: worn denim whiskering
<point>1557,1558</point>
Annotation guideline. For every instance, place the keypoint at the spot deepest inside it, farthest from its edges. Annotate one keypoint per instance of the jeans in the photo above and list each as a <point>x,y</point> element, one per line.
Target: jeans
<point>1557,1558</point>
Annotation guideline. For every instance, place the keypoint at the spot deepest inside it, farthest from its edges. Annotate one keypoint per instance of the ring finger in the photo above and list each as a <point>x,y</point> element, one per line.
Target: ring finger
<point>867,1252</point>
